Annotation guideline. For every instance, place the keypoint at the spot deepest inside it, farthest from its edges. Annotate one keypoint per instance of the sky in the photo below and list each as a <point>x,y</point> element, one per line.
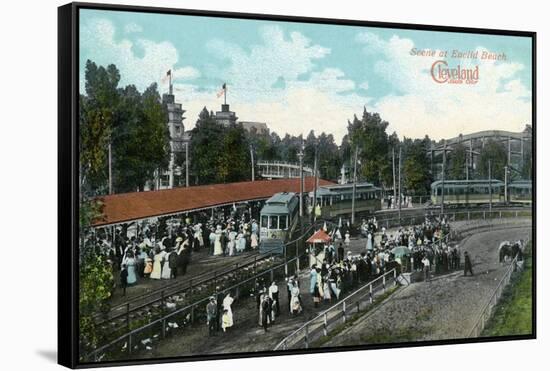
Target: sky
<point>297,77</point>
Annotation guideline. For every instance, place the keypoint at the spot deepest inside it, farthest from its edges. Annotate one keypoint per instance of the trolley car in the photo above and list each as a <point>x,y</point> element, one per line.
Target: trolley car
<point>336,200</point>
<point>521,191</point>
<point>467,192</point>
<point>278,220</point>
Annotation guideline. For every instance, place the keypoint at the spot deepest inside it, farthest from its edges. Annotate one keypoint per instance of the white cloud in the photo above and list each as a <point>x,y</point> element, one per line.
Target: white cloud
<point>322,102</point>
<point>148,66</point>
<point>419,106</point>
<point>132,28</point>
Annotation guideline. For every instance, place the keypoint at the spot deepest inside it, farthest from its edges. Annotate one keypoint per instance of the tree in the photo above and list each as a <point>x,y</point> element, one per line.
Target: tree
<point>140,139</point>
<point>234,162</point>
<point>97,112</point>
<point>457,168</point>
<point>205,147</point>
<point>369,135</point>
<point>416,169</point>
<point>494,152</point>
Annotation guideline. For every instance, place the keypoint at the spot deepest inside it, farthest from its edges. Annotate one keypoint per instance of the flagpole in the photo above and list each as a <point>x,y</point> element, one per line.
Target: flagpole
<point>224,94</point>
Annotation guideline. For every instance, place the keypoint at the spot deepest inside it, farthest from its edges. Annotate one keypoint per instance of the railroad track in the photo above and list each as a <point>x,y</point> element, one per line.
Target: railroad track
<point>155,304</point>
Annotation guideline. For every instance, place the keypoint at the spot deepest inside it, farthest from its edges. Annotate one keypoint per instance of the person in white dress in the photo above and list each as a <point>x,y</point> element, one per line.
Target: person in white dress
<point>295,305</point>
<point>166,270</point>
<point>157,265</point>
<point>231,243</point>
<point>227,302</point>
<point>254,240</point>
<point>218,249</point>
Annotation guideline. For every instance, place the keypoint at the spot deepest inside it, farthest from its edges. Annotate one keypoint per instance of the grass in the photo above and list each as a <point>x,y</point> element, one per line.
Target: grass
<point>513,313</point>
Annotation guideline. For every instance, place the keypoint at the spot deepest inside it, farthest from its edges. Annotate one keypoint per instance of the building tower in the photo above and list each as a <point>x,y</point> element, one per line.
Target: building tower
<point>225,116</point>
<point>176,129</point>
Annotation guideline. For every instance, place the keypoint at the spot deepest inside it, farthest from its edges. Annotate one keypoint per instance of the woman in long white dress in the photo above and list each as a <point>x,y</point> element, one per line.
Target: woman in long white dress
<point>157,265</point>
<point>218,249</point>
<point>253,240</point>
<point>166,270</point>
<point>227,301</point>
<point>241,242</point>
<point>295,306</point>
<point>231,243</point>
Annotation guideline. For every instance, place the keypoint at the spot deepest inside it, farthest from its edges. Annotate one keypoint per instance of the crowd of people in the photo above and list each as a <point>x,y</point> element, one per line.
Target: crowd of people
<point>162,250</point>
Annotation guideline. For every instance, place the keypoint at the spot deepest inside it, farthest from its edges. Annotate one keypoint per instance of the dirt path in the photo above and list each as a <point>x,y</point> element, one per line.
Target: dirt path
<point>445,308</point>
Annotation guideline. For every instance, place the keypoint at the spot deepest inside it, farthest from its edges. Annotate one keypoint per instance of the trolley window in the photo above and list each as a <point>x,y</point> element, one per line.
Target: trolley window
<point>283,222</point>
<point>264,221</point>
<point>273,222</point>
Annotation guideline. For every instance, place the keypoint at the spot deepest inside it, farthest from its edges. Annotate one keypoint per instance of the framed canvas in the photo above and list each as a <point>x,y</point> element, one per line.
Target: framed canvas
<point>242,185</point>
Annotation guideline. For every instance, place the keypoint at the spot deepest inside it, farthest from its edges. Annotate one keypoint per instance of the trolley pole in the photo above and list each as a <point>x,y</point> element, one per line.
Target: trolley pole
<point>354,187</point>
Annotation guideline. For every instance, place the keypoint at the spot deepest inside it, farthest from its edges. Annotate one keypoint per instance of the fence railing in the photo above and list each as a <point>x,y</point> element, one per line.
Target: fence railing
<point>337,314</point>
<point>487,310</point>
<point>453,216</point>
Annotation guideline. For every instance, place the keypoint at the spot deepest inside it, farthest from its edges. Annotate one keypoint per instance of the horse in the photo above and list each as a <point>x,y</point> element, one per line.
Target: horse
<point>505,251</point>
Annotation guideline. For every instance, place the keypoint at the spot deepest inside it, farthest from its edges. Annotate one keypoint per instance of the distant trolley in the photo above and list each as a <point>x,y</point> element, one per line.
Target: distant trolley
<point>278,220</point>
<point>467,192</point>
<point>335,200</point>
<point>521,191</point>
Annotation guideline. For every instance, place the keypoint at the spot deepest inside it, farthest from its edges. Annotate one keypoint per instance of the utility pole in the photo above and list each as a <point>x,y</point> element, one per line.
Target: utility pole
<point>393,170</point>
<point>400,194</point>
<point>443,177</point>
<point>314,184</point>
<point>252,160</point>
<point>301,157</point>
<point>187,163</point>
<point>354,186</point>
<point>506,184</point>
<point>490,188</point>
<point>110,170</point>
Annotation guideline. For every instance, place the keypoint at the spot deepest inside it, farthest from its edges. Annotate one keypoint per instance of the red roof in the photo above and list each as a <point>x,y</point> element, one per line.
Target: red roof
<point>126,207</point>
<point>319,237</point>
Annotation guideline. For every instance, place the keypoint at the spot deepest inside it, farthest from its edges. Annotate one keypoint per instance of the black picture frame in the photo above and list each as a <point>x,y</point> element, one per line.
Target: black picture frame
<point>68,168</point>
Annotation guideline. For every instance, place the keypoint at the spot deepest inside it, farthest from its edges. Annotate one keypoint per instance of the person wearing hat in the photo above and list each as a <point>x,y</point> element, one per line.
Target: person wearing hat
<point>212,316</point>
<point>467,264</point>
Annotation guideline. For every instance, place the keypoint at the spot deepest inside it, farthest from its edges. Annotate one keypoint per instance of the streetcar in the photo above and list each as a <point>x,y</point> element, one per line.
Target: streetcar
<point>467,192</point>
<point>521,191</point>
<point>335,200</point>
<point>278,220</point>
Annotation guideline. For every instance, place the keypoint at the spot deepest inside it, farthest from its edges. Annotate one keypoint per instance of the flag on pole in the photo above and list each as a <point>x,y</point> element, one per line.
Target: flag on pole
<point>165,77</point>
<point>222,91</point>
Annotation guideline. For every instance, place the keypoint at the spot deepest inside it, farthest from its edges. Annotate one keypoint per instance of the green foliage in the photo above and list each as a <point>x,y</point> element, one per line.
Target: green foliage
<point>234,163</point>
<point>494,152</point>
<point>457,168</point>
<point>416,168</point>
<point>95,288</point>
<point>513,313</point>
<point>369,135</point>
<point>134,124</point>
<point>141,141</point>
<point>219,154</point>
